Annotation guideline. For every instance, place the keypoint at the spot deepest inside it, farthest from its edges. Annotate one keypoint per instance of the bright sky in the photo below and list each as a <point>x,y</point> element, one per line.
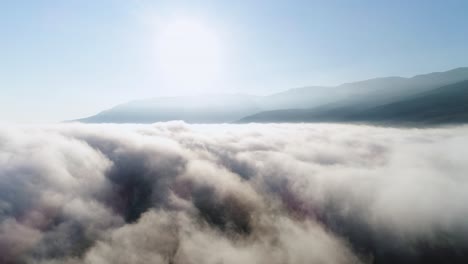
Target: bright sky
<point>68,59</point>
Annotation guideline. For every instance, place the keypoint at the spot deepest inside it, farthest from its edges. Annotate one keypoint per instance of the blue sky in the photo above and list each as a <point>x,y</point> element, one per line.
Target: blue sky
<point>68,59</point>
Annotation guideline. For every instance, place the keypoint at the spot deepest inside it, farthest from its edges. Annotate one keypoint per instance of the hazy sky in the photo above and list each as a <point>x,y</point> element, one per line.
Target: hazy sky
<point>68,59</point>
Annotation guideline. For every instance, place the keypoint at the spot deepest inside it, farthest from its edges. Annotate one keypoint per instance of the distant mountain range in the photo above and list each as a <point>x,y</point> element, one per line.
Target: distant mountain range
<point>192,109</point>
<point>435,98</point>
<point>444,105</point>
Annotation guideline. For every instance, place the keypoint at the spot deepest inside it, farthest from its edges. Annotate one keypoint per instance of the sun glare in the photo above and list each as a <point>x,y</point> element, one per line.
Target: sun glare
<point>189,54</point>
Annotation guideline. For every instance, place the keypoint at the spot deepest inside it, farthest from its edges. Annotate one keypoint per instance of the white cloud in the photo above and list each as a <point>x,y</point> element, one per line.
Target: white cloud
<point>257,193</point>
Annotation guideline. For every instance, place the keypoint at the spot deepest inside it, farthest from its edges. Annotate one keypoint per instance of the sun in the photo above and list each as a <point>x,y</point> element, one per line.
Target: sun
<point>189,54</point>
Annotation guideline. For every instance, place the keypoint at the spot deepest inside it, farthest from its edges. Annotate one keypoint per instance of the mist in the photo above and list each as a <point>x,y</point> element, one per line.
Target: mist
<point>234,193</point>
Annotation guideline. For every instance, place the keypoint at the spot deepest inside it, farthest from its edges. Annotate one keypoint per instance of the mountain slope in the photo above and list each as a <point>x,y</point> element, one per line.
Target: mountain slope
<point>197,109</point>
<point>336,101</point>
<point>380,91</point>
<point>447,104</point>
<point>364,94</point>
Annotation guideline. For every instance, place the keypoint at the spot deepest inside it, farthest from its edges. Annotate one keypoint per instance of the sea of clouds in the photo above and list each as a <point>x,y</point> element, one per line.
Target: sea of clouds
<point>254,193</point>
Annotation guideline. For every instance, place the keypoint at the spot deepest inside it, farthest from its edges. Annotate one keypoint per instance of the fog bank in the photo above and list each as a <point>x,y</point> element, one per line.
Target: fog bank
<point>253,193</point>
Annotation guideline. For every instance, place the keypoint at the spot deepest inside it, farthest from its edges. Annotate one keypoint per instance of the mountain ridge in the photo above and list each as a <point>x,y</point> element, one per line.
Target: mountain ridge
<point>224,108</point>
<point>444,105</point>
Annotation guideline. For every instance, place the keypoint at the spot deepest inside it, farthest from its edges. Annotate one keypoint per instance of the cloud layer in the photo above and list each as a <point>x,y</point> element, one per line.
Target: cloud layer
<point>269,193</point>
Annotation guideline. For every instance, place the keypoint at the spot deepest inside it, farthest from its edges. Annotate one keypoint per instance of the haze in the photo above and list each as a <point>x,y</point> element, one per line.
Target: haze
<point>71,59</point>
